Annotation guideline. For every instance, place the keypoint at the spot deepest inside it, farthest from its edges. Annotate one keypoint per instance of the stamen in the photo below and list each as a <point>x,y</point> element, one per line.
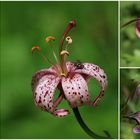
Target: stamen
<point>68,40</point>
<point>35,48</point>
<point>63,74</point>
<point>63,64</point>
<point>49,38</point>
<point>38,49</point>
<point>64,52</point>
<point>54,54</point>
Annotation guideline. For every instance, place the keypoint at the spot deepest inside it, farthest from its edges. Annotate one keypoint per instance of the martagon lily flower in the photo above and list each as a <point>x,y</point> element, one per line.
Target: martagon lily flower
<point>71,80</point>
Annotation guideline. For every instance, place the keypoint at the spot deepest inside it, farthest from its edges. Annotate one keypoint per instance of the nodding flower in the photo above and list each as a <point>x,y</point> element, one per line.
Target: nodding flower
<point>70,79</point>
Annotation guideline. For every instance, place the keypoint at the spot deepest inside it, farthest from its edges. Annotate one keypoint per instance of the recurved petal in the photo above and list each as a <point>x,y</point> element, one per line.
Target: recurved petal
<point>96,72</point>
<point>39,74</point>
<point>75,90</point>
<point>61,112</point>
<point>43,91</point>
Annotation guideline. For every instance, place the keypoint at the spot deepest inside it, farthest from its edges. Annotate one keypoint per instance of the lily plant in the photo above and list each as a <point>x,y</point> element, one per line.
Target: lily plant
<point>71,79</point>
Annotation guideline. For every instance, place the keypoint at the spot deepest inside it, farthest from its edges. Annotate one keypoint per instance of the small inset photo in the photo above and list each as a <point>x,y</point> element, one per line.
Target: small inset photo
<point>130,104</point>
<point>130,34</point>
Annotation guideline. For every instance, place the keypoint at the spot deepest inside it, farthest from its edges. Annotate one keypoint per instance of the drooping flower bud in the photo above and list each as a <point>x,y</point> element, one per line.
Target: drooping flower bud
<point>138,28</point>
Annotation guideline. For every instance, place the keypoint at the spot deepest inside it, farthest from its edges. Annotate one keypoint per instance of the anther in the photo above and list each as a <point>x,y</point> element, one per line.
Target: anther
<point>64,52</point>
<point>69,40</point>
<point>49,38</point>
<point>35,48</point>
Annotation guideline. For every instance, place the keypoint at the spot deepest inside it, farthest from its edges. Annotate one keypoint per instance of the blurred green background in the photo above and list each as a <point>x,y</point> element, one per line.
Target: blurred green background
<point>130,102</point>
<point>130,43</point>
<point>25,24</point>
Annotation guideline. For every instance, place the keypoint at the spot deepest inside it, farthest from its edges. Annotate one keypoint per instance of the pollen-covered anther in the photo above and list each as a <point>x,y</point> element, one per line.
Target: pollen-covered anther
<point>64,52</point>
<point>49,38</point>
<point>69,40</point>
<point>34,48</point>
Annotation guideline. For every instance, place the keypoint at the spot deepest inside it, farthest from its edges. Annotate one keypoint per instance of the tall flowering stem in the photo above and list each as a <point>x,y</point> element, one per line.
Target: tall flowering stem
<point>85,127</point>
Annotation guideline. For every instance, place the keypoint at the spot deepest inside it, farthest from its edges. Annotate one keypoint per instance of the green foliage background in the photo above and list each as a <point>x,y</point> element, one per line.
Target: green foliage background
<point>25,24</point>
<point>130,43</point>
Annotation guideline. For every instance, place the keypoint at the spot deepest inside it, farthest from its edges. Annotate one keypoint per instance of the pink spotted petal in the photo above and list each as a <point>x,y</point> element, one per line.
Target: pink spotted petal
<point>43,89</point>
<point>61,112</point>
<point>138,28</point>
<point>38,75</point>
<point>97,73</point>
<point>75,90</point>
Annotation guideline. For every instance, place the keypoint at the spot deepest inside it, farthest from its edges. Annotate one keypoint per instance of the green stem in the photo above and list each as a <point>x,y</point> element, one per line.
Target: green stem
<point>131,21</point>
<point>86,129</point>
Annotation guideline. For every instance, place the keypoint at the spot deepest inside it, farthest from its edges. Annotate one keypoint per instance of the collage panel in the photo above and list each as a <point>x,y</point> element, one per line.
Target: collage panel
<point>130,33</point>
<point>130,104</point>
<point>59,70</point>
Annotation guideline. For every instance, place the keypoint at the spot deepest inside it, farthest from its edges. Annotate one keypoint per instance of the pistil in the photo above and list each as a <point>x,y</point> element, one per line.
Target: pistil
<point>62,52</point>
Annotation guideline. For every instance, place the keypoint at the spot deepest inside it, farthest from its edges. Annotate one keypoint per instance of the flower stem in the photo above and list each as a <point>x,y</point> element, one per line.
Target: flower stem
<point>129,22</point>
<point>85,127</point>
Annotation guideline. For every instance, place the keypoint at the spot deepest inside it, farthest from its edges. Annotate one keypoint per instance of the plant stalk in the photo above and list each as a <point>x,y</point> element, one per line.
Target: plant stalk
<point>85,127</point>
<point>129,22</point>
